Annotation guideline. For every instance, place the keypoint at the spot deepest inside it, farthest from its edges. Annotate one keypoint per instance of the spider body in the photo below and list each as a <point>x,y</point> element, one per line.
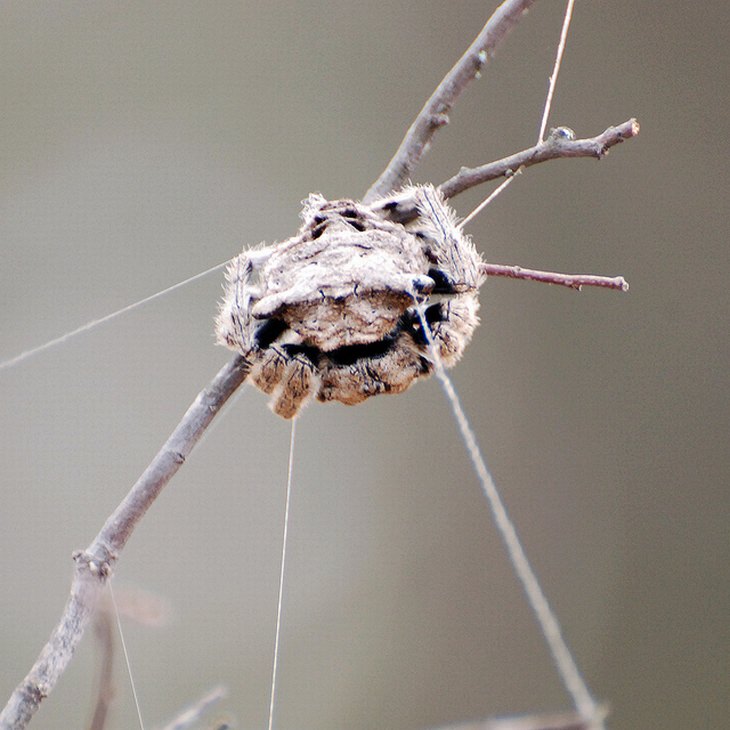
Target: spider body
<point>333,312</point>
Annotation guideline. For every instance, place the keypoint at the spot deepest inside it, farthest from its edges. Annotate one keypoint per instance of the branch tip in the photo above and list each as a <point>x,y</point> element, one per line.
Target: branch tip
<point>560,143</point>
<point>572,281</point>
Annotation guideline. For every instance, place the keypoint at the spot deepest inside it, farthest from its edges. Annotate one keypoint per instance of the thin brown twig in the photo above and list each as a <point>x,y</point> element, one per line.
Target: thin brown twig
<point>559,144</point>
<point>574,281</point>
<point>435,112</point>
<point>94,565</point>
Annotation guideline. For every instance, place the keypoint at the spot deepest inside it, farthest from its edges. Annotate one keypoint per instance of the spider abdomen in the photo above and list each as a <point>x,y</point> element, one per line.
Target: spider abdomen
<point>337,311</point>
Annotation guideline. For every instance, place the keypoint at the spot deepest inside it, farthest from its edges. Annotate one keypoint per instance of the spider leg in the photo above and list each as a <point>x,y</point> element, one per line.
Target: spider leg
<point>453,255</point>
<point>401,366</point>
<point>272,304</point>
<point>234,327</point>
<point>295,387</point>
<point>257,257</point>
<point>452,323</point>
<point>345,383</point>
<point>443,282</point>
<point>269,332</point>
<point>269,368</point>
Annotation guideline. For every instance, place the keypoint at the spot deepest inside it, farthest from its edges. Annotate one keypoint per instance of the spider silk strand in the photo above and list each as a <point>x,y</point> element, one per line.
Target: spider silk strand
<point>561,656</point>
<point>126,654</point>
<point>556,70</point>
<point>280,597</point>
<point>488,199</point>
<point>545,111</point>
<point>17,359</point>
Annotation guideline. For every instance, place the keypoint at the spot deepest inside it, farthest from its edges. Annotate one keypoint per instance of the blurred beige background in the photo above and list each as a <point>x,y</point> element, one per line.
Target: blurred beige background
<point>141,143</point>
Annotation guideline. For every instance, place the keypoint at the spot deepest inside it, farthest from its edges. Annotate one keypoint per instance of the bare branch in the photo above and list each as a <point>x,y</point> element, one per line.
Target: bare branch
<point>95,564</point>
<point>560,143</point>
<point>115,533</point>
<point>436,110</point>
<point>574,281</point>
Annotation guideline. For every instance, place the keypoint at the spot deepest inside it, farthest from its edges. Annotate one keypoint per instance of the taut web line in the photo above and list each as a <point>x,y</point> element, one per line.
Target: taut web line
<point>17,359</point>
<point>126,654</point>
<point>549,626</point>
<point>562,658</point>
<point>545,112</point>
<point>280,597</point>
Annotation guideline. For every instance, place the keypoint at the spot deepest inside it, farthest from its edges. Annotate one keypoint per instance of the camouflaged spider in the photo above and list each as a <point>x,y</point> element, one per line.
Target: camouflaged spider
<point>333,312</point>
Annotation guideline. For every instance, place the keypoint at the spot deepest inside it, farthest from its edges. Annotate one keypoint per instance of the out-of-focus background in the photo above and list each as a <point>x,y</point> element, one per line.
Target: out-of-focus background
<point>142,143</point>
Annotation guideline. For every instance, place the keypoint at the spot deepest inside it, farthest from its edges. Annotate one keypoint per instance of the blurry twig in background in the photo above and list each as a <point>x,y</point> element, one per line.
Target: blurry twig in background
<point>562,721</point>
<point>192,714</point>
<point>104,633</point>
<point>141,607</point>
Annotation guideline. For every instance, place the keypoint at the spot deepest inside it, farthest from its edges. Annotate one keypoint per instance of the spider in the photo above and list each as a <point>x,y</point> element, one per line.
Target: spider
<point>336,312</point>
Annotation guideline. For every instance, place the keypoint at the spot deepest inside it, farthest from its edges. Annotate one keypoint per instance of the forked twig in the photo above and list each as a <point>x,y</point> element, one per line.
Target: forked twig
<point>94,565</point>
<point>435,112</point>
<point>559,144</point>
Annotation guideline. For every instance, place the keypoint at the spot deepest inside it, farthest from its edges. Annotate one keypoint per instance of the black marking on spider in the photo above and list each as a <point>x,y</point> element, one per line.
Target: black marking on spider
<point>268,332</point>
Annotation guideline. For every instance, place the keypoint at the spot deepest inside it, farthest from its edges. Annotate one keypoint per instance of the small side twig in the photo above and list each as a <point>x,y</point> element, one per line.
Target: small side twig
<point>560,143</point>
<point>574,281</point>
<point>435,112</point>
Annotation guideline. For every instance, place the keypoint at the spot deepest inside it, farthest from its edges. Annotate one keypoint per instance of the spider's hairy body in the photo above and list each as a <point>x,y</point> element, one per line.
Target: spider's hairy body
<point>333,312</point>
